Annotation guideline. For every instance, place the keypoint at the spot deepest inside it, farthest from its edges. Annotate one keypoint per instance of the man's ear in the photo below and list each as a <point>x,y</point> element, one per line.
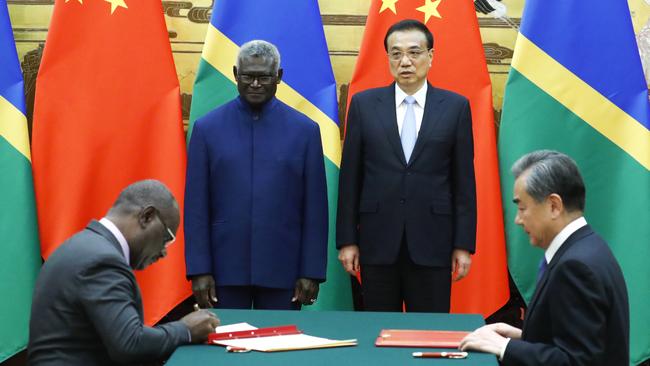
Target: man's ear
<point>557,205</point>
<point>280,71</point>
<point>234,71</point>
<point>146,215</point>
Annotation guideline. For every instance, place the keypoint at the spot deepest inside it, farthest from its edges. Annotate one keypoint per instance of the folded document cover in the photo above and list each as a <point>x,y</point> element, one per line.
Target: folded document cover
<point>244,336</point>
<point>420,338</point>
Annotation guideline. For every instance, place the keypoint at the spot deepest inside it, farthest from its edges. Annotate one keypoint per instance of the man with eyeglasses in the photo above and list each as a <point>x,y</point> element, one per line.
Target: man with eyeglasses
<point>407,196</point>
<point>256,197</point>
<point>87,308</point>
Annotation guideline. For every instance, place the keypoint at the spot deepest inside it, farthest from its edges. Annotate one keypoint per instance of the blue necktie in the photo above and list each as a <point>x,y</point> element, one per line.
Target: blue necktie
<point>542,269</point>
<point>409,134</point>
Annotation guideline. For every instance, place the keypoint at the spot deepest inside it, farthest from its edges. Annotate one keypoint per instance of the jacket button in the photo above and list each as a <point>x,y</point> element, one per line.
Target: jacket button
<point>402,201</point>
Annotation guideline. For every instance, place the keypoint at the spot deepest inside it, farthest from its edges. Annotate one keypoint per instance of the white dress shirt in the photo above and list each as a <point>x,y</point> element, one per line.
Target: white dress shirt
<point>119,236</point>
<point>562,236</point>
<point>418,107</point>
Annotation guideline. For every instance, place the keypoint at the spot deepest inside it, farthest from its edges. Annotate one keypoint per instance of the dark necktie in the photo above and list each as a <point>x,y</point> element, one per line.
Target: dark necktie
<point>542,269</point>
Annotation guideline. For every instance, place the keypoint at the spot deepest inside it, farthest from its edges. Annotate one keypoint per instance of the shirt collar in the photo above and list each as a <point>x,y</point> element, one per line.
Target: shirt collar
<point>265,107</point>
<point>420,95</point>
<point>562,236</point>
<point>119,236</point>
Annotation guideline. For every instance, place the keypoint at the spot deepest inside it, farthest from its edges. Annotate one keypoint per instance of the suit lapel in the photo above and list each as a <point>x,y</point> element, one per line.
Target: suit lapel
<point>431,115</point>
<point>388,116</point>
<point>578,235</point>
<point>533,302</point>
<point>100,229</point>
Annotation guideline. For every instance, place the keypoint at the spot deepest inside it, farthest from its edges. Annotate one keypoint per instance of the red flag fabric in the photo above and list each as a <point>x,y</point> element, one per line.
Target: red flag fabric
<point>107,113</point>
<point>458,65</point>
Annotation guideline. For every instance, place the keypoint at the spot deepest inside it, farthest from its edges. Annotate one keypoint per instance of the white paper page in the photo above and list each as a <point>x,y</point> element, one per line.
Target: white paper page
<point>291,341</point>
<point>237,327</point>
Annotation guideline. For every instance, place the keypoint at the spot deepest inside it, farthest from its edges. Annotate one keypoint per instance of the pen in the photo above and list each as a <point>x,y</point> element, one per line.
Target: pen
<point>440,354</point>
<point>196,307</point>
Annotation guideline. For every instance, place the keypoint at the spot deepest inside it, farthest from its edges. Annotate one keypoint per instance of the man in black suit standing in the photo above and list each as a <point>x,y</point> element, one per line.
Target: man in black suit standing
<point>87,308</point>
<point>579,313</point>
<point>407,195</point>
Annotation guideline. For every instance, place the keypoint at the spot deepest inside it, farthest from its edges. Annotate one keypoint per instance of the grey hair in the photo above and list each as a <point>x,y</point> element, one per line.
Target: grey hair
<point>144,193</point>
<point>552,172</point>
<point>259,48</point>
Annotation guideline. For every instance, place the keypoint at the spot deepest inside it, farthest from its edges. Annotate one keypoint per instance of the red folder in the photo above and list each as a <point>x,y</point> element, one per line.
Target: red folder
<point>255,333</point>
<point>420,338</point>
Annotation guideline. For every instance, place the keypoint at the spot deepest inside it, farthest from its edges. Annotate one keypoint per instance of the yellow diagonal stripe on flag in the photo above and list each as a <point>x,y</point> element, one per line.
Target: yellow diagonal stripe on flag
<point>583,100</point>
<point>13,127</point>
<point>221,53</point>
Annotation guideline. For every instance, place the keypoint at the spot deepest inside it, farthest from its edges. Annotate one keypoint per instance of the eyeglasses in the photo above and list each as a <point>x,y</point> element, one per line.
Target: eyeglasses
<point>261,79</point>
<point>171,237</point>
<point>412,54</point>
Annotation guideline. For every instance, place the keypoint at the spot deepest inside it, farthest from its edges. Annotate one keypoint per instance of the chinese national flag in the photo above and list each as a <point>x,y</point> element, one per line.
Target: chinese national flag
<point>458,65</point>
<point>107,113</point>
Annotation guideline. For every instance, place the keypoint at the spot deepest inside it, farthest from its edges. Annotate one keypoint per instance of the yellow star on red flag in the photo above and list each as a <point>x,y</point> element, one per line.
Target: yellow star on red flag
<point>80,1</point>
<point>430,8</point>
<point>116,3</point>
<point>388,4</point>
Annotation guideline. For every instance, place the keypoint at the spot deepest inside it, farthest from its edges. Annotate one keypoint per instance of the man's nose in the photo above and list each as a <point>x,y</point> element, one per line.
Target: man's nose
<point>518,220</point>
<point>405,60</point>
<point>255,83</point>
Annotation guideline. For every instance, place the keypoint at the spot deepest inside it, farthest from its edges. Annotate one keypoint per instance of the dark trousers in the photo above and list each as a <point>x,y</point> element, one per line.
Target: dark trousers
<point>419,288</point>
<point>247,297</point>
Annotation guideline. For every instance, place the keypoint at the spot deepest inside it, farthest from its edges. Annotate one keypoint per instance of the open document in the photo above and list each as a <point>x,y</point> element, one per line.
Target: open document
<point>273,339</point>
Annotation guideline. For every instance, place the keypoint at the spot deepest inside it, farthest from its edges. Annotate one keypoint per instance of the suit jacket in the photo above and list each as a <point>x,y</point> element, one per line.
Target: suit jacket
<point>87,308</point>
<point>579,313</point>
<point>256,197</point>
<point>432,198</point>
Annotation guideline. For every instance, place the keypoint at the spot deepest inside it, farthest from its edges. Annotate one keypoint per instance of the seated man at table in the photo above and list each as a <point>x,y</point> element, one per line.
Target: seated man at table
<point>579,312</point>
<point>87,308</point>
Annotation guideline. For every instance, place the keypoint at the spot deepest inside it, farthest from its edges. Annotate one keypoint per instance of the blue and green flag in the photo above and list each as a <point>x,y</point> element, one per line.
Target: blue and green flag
<point>308,86</point>
<point>20,257</point>
<point>577,86</point>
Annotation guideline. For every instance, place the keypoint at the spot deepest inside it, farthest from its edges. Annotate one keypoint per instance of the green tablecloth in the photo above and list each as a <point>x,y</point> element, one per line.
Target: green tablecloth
<point>364,326</point>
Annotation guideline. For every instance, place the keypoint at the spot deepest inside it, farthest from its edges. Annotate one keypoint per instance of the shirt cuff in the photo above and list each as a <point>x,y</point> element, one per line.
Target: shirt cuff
<point>503,349</point>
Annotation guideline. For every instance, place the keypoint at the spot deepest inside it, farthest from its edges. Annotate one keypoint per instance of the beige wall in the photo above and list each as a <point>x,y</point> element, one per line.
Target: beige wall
<point>343,22</point>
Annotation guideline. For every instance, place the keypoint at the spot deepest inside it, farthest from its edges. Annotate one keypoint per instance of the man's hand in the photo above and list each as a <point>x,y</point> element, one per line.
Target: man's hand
<point>306,291</point>
<point>506,330</point>
<point>200,323</point>
<point>349,257</point>
<point>490,338</point>
<point>203,289</point>
<point>461,260</point>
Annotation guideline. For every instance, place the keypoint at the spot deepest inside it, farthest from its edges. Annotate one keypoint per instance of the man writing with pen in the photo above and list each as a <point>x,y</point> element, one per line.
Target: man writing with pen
<point>87,308</point>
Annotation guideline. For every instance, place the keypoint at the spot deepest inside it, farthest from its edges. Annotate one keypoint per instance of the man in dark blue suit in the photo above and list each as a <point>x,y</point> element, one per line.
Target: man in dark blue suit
<point>579,313</point>
<point>256,196</point>
<point>407,195</point>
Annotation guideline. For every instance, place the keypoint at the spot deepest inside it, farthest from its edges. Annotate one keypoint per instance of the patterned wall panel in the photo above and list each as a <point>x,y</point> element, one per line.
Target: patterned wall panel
<point>343,20</point>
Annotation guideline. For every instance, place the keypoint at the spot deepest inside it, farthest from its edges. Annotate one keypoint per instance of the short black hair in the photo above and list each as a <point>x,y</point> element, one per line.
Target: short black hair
<point>406,25</point>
